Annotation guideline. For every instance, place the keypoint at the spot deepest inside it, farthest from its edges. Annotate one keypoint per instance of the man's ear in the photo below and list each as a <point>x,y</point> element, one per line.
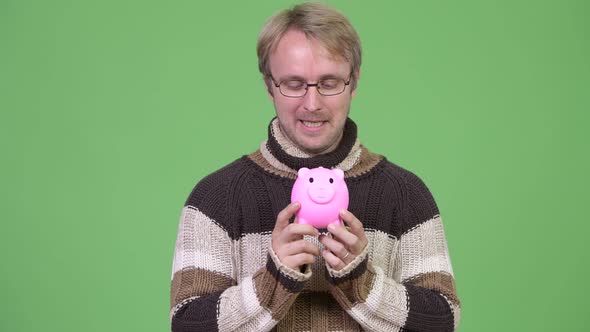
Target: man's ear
<point>357,77</point>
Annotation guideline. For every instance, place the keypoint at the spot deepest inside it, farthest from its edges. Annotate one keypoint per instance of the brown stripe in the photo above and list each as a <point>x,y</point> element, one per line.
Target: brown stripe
<point>366,162</point>
<point>441,282</point>
<point>191,281</point>
<point>259,159</point>
<point>299,315</point>
<point>317,311</point>
<point>354,290</point>
<point>272,295</point>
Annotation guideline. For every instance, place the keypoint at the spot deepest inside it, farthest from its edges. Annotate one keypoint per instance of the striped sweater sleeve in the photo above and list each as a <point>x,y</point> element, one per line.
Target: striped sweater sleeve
<point>421,295</point>
<point>206,294</point>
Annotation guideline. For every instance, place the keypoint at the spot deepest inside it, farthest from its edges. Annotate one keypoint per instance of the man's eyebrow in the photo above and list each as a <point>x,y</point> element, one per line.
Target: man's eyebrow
<point>301,78</point>
<point>329,76</point>
<point>291,78</point>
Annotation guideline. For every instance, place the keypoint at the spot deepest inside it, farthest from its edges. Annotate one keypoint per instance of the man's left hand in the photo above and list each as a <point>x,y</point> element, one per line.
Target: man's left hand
<point>346,243</point>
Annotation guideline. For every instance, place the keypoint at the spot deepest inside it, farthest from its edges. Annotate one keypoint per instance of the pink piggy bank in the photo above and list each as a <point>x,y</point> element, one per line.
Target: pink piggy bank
<point>322,193</point>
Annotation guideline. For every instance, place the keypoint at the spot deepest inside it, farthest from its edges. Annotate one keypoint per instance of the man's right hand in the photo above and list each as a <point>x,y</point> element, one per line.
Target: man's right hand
<point>287,240</point>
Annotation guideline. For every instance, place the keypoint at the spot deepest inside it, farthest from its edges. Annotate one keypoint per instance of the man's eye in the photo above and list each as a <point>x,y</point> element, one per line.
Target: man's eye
<point>294,85</point>
<point>329,84</point>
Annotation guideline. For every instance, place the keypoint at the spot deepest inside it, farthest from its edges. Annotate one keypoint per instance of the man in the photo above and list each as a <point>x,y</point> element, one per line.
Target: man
<point>241,265</point>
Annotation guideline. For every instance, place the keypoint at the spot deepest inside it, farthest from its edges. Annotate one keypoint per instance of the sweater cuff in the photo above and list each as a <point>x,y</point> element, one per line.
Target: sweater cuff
<point>352,283</point>
<point>287,271</point>
<point>357,266</point>
<point>278,286</point>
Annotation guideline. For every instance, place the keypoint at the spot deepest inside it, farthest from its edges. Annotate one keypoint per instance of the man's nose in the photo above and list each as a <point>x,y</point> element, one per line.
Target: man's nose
<point>312,99</point>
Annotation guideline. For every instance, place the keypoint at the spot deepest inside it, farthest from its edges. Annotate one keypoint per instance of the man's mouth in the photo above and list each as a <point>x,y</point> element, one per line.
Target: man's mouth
<point>312,124</point>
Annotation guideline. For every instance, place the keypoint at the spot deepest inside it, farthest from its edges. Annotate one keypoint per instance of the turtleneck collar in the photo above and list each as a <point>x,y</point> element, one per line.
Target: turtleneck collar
<point>289,155</point>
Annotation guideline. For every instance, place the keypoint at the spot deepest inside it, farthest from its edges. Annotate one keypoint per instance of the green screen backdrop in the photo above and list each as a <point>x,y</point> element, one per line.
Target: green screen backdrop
<point>111,111</point>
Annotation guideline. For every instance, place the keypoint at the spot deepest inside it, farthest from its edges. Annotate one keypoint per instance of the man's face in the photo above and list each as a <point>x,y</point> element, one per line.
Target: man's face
<point>313,122</point>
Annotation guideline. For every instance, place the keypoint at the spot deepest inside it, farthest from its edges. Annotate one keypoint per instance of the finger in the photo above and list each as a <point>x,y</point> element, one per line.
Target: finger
<point>334,262</point>
<point>343,235</point>
<point>297,231</point>
<point>298,247</point>
<point>298,260</point>
<point>356,226</point>
<point>333,246</point>
<point>286,214</point>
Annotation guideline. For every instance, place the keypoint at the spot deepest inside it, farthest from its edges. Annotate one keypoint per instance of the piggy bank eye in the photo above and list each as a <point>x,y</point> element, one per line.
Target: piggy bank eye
<point>331,180</point>
<point>310,180</point>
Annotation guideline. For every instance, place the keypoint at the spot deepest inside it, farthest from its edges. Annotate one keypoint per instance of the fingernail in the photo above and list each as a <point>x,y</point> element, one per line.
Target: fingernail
<point>331,227</point>
<point>343,212</point>
<point>296,204</point>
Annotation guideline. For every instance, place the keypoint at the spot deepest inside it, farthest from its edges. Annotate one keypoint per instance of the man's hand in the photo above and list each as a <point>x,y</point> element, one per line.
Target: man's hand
<point>346,242</point>
<point>287,240</point>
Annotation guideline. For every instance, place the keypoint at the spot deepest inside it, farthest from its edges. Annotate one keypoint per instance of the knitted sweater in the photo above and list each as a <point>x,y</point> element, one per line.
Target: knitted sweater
<point>226,276</point>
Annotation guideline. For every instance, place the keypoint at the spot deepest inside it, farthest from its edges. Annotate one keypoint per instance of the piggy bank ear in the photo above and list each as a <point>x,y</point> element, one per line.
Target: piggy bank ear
<point>302,171</point>
<point>339,173</point>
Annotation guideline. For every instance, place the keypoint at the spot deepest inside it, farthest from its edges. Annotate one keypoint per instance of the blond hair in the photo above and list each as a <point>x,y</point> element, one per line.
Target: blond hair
<point>317,21</point>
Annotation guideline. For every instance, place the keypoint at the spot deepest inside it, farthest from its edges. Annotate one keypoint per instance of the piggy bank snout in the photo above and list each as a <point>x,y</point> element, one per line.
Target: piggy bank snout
<point>321,194</point>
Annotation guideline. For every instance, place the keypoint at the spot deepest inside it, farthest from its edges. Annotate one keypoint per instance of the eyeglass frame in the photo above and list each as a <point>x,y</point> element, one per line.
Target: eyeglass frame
<point>307,85</point>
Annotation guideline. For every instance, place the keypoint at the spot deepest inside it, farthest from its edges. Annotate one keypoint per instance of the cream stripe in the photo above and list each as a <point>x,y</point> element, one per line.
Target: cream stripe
<point>383,252</point>
<point>285,143</point>
<point>253,248</point>
<point>352,158</point>
<point>253,251</point>
<point>274,161</point>
<point>424,249</point>
<point>456,312</point>
<point>202,243</point>
<point>239,310</point>
<point>386,306</point>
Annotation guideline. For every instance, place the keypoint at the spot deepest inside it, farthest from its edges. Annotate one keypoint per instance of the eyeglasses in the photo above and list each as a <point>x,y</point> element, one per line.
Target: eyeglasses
<point>298,88</point>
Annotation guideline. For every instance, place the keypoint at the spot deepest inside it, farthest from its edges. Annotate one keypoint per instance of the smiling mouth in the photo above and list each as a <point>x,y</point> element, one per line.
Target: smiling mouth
<point>312,124</point>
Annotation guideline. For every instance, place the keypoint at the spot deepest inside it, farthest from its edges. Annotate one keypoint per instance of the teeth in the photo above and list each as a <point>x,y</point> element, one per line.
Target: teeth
<point>312,124</point>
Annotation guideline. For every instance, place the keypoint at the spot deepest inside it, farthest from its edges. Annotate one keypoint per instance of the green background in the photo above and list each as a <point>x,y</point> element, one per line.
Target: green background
<point>112,110</point>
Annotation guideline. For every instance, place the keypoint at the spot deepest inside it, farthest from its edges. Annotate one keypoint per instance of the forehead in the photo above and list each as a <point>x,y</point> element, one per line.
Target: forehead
<point>297,55</point>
